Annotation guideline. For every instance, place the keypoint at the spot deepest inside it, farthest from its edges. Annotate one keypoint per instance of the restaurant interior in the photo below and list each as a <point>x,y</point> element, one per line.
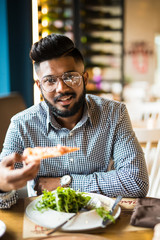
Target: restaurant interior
<point>120,42</point>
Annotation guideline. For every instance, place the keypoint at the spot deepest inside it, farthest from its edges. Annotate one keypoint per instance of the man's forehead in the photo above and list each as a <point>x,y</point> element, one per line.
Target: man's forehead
<point>58,66</point>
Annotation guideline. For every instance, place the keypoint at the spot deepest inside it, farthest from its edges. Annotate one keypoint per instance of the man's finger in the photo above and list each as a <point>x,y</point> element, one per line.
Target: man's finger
<point>11,159</point>
<point>26,173</point>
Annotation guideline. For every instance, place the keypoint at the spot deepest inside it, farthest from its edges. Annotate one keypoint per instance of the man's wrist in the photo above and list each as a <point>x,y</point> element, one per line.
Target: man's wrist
<point>2,191</point>
<point>6,195</point>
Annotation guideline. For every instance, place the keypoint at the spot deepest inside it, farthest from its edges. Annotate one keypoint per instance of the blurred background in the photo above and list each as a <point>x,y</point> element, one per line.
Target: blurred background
<point>120,40</point>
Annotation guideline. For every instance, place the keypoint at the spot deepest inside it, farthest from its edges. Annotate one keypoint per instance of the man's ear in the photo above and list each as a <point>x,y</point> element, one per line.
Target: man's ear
<point>85,77</point>
<point>38,84</point>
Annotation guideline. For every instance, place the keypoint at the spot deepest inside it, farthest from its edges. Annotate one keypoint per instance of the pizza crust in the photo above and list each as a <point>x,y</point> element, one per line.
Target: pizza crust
<point>38,153</point>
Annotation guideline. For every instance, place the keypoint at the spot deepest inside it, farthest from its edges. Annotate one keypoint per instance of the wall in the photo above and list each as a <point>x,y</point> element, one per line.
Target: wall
<point>142,23</point>
<point>16,74</point>
<point>4,58</point>
<point>20,40</point>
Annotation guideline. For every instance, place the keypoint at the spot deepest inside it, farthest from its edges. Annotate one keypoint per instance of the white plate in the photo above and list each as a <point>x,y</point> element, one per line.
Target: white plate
<point>84,221</point>
<point>2,228</point>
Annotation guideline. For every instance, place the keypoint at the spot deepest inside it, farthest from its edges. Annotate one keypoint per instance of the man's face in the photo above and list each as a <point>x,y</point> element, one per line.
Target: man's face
<point>64,101</point>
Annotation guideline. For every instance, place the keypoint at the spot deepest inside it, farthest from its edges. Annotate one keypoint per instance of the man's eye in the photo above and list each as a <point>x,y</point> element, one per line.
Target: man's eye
<point>50,80</point>
<point>69,77</point>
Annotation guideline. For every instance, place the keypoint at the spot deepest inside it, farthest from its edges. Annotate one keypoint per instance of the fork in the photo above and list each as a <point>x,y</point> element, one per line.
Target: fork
<point>89,206</point>
<point>60,225</point>
<point>106,220</point>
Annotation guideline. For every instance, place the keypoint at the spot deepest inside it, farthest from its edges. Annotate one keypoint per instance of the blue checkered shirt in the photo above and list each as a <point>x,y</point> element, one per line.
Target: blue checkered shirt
<point>104,133</point>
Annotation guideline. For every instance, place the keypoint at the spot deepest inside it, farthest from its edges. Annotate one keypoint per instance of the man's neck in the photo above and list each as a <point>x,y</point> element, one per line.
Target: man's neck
<point>70,122</point>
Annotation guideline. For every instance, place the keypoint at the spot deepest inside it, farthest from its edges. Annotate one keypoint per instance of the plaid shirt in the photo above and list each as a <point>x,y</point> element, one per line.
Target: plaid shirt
<point>104,133</point>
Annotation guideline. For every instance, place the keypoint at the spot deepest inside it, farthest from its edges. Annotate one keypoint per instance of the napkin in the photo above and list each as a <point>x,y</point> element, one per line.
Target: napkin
<point>146,213</point>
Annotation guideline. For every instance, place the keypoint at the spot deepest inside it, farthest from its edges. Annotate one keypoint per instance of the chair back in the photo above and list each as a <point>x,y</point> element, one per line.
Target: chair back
<point>150,142</point>
<point>144,111</point>
<point>9,106</point>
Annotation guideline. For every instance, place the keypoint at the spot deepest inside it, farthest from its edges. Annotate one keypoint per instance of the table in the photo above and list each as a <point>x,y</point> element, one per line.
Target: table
<point>13,219</point>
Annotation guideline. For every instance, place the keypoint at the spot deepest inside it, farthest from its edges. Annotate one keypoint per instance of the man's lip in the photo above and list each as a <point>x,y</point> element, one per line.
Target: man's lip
<point>65,101</point>
<point>64,98</point>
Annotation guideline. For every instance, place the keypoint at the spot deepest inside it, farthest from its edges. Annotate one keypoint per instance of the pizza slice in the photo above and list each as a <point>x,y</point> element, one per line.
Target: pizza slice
<point>38,153</point>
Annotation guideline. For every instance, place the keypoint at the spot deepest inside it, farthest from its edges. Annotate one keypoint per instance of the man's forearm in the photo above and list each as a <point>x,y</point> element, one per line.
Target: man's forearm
<point>111,184</point>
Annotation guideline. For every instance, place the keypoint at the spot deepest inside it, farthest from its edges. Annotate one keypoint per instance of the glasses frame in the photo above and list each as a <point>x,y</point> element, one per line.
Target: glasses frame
<point>61,77</point>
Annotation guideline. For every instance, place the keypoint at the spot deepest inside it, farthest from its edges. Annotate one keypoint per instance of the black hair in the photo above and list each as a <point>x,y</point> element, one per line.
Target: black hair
<point>54,46</point>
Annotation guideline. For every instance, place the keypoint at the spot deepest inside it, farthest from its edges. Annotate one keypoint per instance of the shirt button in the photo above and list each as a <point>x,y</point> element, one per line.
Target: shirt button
<point>71,159</point>
<point>71,134</point>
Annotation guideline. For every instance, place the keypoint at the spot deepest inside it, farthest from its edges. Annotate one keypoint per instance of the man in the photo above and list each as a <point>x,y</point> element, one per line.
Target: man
<point>68,116</point>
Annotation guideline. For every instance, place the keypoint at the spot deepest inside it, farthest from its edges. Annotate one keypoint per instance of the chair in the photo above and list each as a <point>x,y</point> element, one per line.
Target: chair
<point>9,106</point>
<point>150,142</point>
<point>144,110</point>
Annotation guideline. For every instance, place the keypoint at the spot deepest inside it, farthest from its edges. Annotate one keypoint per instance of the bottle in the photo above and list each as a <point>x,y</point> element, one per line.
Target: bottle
<point>57,15</point>
<point>88,13</point>
<point>91,52</point>
<point>101,2</point>
<point>97,27</point>
<point>60,3</point>
<point>89,64</point>
<point>92,39</point>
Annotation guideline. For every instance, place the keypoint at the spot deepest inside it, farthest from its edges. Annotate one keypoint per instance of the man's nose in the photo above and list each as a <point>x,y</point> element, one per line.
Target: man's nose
<point>60,85</point>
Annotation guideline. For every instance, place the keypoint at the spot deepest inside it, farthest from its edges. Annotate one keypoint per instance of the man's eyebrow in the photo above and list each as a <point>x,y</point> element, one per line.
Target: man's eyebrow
<point>50,75</point>
<point>70,71</point>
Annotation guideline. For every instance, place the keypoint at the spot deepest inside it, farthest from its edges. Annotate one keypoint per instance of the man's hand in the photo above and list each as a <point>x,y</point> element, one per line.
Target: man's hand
<point>47,183</point>
<point>12,179</point>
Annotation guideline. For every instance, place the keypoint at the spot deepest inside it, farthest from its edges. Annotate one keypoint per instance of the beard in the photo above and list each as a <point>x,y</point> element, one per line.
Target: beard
<point>66,112</point>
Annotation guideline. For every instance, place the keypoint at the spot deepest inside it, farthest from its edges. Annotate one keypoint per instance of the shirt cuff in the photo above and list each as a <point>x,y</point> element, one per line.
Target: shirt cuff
<point>85,183</point>
<point>78,182</point>
<point>8,199</point>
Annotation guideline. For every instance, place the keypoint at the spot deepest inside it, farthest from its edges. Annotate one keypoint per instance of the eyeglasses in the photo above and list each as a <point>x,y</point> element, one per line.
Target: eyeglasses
<point>71,79</point>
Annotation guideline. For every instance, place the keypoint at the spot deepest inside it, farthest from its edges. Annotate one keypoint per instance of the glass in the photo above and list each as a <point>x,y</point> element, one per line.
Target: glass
<point>71,79</point>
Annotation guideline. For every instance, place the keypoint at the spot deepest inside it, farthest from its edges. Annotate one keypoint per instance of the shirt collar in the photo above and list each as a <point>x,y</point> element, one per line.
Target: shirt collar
<point>51,121</point>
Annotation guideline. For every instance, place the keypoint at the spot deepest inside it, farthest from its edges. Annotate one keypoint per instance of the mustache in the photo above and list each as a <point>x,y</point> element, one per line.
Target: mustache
<point>64,95</point>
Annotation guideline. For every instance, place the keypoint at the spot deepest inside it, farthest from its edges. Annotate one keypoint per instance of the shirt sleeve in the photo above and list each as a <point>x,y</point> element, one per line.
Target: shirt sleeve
<point>13,141</point>
<point>12,144</point>
<point>8,199</point>
<point>129,177</point>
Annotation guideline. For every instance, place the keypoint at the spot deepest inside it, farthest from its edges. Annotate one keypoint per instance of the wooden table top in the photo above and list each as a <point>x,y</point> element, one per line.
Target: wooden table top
<point>13,218</point>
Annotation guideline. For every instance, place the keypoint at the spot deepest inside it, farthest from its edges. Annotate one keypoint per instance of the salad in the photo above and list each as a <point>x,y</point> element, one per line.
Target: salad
<point>69,201</point>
